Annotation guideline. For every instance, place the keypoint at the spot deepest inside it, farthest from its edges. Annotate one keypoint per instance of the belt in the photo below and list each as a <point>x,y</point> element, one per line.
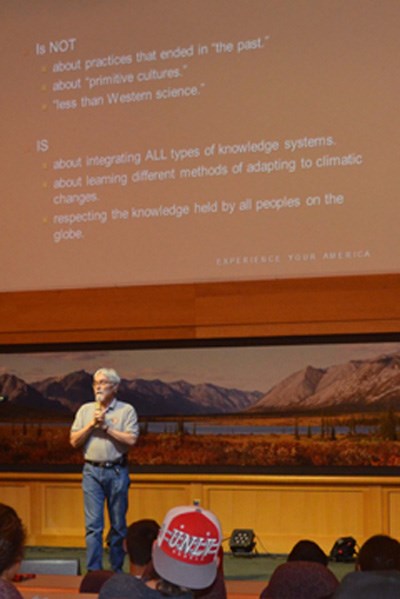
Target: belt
<point>122,461</point>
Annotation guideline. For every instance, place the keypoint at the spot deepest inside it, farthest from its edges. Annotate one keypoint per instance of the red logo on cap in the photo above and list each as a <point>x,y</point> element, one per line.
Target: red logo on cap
<point>191,536</point>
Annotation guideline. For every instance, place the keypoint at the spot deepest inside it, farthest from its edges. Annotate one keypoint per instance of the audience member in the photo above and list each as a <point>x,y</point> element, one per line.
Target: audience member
<point>308,551</point>
<point>94,580</point>
<point>300,580</point>
<point>378,571</point>
<point>12,541</point>
<point>379,552</point>
<point>369,584</point>
<point>184,557</point>
<point>139,542</point>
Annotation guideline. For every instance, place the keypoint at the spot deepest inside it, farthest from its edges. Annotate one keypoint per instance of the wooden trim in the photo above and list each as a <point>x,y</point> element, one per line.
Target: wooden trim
<point>317,306</point>
<point>218,479</point>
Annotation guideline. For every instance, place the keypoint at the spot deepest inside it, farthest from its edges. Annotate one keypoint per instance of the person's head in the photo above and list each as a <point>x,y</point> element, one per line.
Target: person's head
<point>105,384</point>
<point>300,580</point>
<point>186,550</point>
<point>12,541</point>
<point>307,551</point>
<point>94,580</point>
<point>379,552</point>
<point>139,541</point>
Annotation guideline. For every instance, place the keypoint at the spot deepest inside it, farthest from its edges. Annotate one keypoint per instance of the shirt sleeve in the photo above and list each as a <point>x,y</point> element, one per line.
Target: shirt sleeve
<point>131,424</point>
<point>78,422</point>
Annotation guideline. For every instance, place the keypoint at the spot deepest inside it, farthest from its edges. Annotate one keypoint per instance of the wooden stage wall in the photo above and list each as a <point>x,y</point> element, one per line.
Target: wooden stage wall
<point>280,509</point>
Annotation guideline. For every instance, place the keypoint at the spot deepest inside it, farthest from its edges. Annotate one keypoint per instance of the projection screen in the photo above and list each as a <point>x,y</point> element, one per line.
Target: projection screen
<point>183,141</point>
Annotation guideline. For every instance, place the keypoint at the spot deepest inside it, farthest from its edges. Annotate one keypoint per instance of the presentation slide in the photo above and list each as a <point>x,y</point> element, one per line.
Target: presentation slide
<point>154,142</point>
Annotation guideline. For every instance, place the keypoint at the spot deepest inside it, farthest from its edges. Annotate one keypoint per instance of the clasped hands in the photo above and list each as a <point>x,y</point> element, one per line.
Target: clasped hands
<point>99,419</point>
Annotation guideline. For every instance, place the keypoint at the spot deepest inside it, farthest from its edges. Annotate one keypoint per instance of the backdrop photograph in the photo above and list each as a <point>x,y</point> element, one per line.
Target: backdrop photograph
<point>323,405</point>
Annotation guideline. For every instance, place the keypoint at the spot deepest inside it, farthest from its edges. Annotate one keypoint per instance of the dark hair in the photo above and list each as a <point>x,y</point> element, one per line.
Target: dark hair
<point>164,587</point>
<point>307,551</point>
<point>139,540</point>
<point>12,537</point>
<point>379,552</point>
<point>168,589</point>
<point>94,580</point>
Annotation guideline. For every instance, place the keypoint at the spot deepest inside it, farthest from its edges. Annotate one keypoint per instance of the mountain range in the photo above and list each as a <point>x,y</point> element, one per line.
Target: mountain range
<point>358,385</point>
<point>64,395</point>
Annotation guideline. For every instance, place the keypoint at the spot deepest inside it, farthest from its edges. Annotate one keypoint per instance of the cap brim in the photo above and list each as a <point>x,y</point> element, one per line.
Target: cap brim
<point>190,575</point>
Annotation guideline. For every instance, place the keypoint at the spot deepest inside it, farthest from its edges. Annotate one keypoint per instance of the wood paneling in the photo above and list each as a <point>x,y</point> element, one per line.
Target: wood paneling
<point>20,496</point>
<point>392,511</point>
<point>281,515</point>
<point>154,499</point>
<point>281,510</point>
<point>256,308</point>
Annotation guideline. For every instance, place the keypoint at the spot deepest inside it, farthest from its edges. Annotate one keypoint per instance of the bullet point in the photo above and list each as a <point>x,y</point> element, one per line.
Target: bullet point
<point>44,88</point>
<point>44,184</point>
<point>44,69</point>
<point>44,106</point>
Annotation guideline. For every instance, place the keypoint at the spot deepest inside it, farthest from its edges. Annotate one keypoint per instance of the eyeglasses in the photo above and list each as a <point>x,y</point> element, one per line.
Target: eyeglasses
<point>103,383</point>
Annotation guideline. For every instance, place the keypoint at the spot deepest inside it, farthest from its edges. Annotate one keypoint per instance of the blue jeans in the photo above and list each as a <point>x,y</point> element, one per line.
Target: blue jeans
<point>105,486</point>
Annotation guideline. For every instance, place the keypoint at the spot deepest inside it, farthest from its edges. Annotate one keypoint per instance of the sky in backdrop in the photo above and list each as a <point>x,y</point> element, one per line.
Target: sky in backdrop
<point>246,367</point>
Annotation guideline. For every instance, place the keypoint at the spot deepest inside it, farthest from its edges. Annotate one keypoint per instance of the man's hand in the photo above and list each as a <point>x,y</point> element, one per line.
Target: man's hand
<point>99,415</point>
<point>78,438</point>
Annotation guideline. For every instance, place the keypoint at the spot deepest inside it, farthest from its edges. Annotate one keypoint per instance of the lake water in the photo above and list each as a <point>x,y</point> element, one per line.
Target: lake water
<point>222,429</point>
<point>202,428</point>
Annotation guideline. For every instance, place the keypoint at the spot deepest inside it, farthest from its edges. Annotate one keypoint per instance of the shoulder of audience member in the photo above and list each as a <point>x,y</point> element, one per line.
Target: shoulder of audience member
<point>370,584</point>
<point>120,585</point>
<point>8,590</point>
<point>126,586</point>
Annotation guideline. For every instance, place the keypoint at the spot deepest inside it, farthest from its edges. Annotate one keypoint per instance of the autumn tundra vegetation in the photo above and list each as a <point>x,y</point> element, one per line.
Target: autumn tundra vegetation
<point>355,440</point>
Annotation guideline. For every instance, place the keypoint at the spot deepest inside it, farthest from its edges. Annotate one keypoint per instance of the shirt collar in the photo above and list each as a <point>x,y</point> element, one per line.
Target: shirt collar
<point>112,405</point>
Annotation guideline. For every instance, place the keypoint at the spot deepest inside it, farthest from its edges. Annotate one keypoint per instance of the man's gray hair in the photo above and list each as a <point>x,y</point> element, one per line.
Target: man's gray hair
<point>109,373</point>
